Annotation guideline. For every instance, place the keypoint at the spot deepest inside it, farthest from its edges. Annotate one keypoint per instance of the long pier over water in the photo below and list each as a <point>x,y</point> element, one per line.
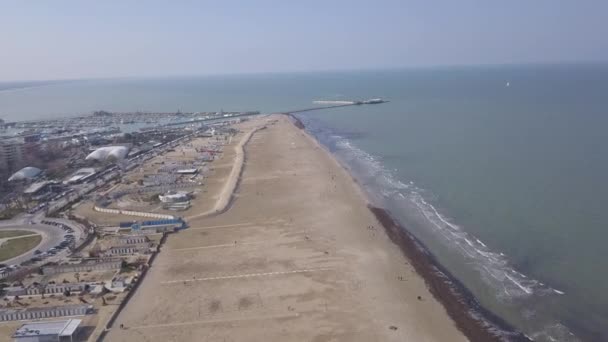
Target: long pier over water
<point>330,104</point>
<point>335,104</point>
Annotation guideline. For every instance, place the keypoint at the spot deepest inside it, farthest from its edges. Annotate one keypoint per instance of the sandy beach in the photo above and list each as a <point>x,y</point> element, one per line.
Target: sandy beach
<point>296,256</point>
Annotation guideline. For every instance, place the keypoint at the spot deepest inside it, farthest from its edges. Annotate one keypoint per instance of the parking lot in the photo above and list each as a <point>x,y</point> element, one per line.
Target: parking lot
<point>57,239</point>
<point>51,236</point>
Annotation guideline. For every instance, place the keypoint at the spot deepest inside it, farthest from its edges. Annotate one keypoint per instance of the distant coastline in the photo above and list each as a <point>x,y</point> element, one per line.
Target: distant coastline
<point>20,85</point>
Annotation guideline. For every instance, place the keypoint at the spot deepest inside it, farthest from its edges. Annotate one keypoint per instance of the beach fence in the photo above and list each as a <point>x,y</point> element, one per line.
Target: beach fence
<point>153,189</point>
<point>132,213</point>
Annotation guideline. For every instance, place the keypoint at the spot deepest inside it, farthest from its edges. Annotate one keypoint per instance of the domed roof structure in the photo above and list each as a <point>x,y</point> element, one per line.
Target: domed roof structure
<point>103,153</point>
<point>25,174</point>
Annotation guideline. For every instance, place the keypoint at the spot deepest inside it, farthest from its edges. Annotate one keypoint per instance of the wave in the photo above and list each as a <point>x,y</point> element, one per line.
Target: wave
<point>383,187</point>
<point>494,267</point>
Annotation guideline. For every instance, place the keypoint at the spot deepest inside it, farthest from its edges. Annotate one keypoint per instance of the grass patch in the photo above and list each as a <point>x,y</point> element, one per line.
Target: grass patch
<point>11,233</point>
<point>15,247</point>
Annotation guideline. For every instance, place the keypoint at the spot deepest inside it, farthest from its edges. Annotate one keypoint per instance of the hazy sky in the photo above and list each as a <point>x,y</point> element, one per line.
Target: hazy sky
<point>103,38</point>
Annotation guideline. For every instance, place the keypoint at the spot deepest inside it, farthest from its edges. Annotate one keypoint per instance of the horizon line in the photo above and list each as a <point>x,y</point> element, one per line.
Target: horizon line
<point>286,72</point>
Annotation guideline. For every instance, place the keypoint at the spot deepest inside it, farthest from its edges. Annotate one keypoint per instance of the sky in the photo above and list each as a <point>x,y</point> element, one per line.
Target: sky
<point>125,38</point>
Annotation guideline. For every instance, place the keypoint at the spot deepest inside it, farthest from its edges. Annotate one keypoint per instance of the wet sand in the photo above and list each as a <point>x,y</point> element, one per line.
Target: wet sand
<point>297,256</point>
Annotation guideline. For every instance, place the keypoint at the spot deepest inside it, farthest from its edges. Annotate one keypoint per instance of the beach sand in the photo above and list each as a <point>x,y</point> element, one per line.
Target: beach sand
<point>296,256</point>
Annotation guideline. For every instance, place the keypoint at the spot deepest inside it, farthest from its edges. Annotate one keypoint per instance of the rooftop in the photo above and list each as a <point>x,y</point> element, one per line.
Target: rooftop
<point>59,328</point>
<point>103,153</point>
<point>81,174</point>
<point>193,170</point>
<point>34,188</point>
<point>44,308</point>
<point>28,172</point>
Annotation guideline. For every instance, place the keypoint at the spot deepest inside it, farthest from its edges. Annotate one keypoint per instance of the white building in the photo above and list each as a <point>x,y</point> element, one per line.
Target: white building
<point>109,152</point>
<point>47,331</point>
<point>27,173</point>
<point>174,197</point>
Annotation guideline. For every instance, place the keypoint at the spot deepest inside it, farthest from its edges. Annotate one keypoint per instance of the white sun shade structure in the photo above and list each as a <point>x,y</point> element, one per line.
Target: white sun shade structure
<point>25,174</point>
<point>104,153</point>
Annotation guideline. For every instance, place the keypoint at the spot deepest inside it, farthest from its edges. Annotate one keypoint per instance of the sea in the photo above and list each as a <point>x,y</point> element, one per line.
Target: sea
<point>500,171</point>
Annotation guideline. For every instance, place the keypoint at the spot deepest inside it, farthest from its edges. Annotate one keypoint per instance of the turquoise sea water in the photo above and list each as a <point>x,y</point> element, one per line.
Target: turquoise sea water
<point>505,184</point>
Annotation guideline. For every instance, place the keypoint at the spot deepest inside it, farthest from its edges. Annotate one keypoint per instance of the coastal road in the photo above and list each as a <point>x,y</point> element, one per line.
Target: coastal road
<point>51,237</point>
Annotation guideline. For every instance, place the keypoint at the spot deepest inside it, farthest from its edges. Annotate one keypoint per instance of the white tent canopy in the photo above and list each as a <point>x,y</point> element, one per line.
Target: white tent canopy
<point>103,153</point>
<point>25,173</point>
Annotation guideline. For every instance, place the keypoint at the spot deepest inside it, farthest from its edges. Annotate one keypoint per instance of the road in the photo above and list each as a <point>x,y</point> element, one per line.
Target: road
<point>51,237</point>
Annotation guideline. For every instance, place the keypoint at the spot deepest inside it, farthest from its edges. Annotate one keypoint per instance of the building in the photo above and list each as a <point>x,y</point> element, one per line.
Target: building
<point>47,331</point>
<point>18,314</point>
<point>25,174</point>
<point>132,239</point>
<point>80,176</point>
<point>32,138</point>
<point>108,153</point>
<point>39,190</point>
<point>14,291</point>
<point>177,206</point>
<point>32,290</point>
<point>159,226</point>
<point>129,249</point>
<point>63,288</point>
<point>85,266</point>
<point>11,155</point>
<point>191,171</point>
<point>173,200</point>
<point>174,197</point>
<point>121,282</point>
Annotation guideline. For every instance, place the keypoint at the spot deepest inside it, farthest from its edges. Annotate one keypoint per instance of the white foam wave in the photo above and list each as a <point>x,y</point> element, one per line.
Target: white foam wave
<point>493,267</point>
<point>554,332</point>
<point>526,289</point>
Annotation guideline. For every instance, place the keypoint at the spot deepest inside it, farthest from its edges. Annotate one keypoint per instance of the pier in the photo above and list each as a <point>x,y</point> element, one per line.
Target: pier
<point>328,105</point>
<point>335,104</point>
